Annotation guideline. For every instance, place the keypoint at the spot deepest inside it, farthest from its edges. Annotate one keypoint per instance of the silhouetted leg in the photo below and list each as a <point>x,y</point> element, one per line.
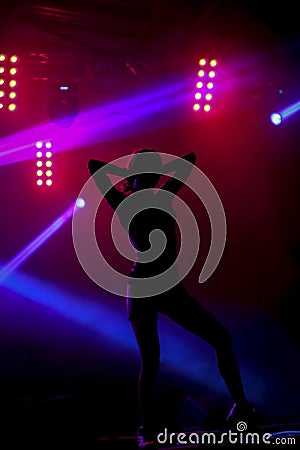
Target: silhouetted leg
<point>146,334</point>
<point>192,316</point>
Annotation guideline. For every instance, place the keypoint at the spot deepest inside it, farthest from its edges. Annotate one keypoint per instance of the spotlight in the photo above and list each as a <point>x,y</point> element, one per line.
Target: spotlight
<point>8,81</point>
<point>63,104</point>
<point>44,158</point>
<point>205,87</point>
<point>278,117</point>
<point>80,203</point>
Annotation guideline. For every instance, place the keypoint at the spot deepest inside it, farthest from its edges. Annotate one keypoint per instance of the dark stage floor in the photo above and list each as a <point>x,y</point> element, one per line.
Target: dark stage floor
<point>67,423</point>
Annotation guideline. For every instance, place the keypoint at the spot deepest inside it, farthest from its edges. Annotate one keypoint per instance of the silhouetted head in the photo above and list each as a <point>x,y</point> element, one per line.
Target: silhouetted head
<point>149,165</point>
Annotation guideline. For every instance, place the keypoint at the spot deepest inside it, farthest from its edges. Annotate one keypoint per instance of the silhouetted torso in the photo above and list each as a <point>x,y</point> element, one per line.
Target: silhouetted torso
<point>140,228</point>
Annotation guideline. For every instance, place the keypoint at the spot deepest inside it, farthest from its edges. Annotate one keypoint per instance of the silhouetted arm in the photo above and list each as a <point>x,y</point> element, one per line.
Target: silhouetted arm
<point>183,170</point>
<point>113,196</point>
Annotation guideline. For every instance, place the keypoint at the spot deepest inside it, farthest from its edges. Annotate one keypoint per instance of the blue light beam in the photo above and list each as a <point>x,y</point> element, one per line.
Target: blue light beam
<point>278,117</point>
<point>109,320</point>
<point>34,245</point>
<point>100,124</point>
<point>105,318</point>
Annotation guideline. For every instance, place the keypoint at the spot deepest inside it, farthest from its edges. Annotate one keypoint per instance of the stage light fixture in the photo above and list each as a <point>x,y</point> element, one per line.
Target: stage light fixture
<point>44,158</point>
<point>80,202</point>
<point>63,104</point>
<point>204,87</point>
<point>278,117</point>
<point>9,72</point>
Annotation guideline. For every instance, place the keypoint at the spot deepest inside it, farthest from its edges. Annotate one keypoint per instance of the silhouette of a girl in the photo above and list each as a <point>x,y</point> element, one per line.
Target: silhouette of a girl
<point>175,303</point>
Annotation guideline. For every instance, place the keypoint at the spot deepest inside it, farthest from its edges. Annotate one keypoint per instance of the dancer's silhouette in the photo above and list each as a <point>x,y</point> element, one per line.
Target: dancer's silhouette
<point>175,303</point>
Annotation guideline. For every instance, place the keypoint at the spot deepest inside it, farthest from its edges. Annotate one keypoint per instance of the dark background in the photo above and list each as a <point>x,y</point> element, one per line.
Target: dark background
<point>65,344</point>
